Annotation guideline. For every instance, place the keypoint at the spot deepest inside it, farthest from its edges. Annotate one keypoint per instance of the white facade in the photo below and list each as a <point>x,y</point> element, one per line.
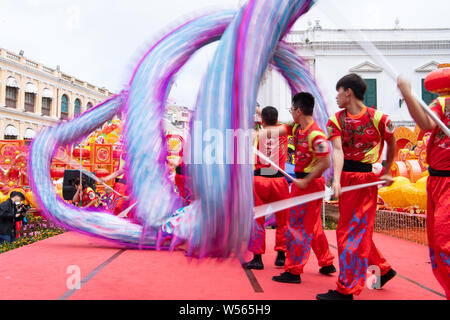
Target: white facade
<point>37,96</point>
<point>332,54</point>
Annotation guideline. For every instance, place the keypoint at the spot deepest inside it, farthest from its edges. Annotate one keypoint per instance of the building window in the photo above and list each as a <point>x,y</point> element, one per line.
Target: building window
<point>46,106</point>
<point>11,97</point>
<point>370,98</point>
<point>89,105</point>
<point>11,133</point>
<point>29,134</point>
<point>29,101</point>
<point>77,109</point>
<point>427,96</point>
<point>64,107</point>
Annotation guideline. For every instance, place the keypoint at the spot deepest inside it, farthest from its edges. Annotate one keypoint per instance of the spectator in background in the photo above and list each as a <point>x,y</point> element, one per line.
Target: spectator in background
<point>88,197</point>
<point>11,211</point>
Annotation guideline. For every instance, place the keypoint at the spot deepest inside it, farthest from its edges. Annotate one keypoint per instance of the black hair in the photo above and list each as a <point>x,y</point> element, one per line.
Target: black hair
<point>269,115</point>
<point>17,193</point>
<point>83,182</point>
<point>305,101</point>
<point>354,82</point>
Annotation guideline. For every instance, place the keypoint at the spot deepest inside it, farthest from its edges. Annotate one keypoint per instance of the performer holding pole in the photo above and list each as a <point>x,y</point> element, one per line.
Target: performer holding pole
<point>305,225</point>
<point>120,203</point>
<point>311,150</point>
<point>269,185</point>
<point>438,158</point>
<point>357,134</point>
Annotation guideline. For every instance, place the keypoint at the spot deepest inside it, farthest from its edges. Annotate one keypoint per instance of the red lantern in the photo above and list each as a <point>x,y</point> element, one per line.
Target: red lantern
<point>84,153</point>
<point>101,173</point>
<point>116,154</point>
<point>438,81</point>
<point>57,172</point>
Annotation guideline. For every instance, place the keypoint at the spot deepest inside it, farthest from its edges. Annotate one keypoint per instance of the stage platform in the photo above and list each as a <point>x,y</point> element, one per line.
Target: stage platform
<point>44,271</point>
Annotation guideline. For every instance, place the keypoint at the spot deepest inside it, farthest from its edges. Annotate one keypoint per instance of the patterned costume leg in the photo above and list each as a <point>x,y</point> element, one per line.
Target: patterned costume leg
<point>377,259</point>
<point>257,243</point>
<point>302,224</point>
<point>438,229</point>
<point>280,191</point>
<point>354,233</point>
<point>267,190</point>
<point>320,245</point>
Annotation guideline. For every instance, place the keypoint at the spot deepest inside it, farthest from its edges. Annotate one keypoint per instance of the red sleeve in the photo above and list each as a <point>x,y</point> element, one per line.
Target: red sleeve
<point>288,129</point>
<point>333,130</point>
<point>91,195</point>
<point>436,107</point>
<point>320,146</point>
<point>386,127</point>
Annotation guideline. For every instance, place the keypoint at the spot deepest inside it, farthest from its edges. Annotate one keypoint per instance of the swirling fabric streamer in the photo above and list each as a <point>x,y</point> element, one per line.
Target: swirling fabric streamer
<point>218,222</point>
<point>227,102</point>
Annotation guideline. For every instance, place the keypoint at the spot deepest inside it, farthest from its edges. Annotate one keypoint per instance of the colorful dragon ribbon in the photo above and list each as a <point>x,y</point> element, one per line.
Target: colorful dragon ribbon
<point>218,222</point>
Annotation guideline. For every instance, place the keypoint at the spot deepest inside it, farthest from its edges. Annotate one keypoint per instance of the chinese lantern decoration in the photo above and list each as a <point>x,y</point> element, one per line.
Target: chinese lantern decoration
<point>438,81</point>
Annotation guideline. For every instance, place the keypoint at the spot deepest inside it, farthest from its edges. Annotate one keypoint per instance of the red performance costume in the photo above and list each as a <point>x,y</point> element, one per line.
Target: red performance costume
<point>119,204</point>
<point>270,186</point>
<point>363,138</point>
<point>87,196</point>
<point>438,191</point>
<point>305,229</point>
<point>182,181</point>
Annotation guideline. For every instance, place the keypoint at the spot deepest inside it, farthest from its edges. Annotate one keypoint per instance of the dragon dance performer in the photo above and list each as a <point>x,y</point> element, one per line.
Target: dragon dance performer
<point>269,185</point>
<point>119,204</point>
<point>182,180</point>
<point>305,229</point>
<point>438,158</point>
<point>357,134</point>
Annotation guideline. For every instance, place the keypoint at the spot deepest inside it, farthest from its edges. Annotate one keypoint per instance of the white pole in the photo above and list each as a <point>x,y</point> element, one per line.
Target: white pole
<point>269,208</point>
<point>262,156</point>
<point>381,60</point>
<point>323,212</point>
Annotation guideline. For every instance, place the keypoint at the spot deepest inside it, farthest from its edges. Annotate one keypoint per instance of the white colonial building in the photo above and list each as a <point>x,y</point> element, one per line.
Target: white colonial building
<point>176,119</point>
<point>332,54</point>
<point>33,96</point>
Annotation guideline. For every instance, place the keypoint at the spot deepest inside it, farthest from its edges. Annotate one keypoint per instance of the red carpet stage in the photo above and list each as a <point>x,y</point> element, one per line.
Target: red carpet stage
<point>44,270</point>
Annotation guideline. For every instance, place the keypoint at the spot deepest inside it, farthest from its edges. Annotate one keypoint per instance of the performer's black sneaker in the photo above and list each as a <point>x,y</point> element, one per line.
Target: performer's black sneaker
<point>256,263</point>
<point>287,277</point>
<point>327,270</point>
<point>388,276</point>
<point>281,258</point>
<point>334,295</point>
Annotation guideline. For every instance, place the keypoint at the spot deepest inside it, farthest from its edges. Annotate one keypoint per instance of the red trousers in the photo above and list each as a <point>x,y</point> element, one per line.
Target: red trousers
<point>185,193</point>
<point>305,231</point>
<point>267,190</point>
<point>438,229</point>
<point>120,204</point>
<point>354,232</point>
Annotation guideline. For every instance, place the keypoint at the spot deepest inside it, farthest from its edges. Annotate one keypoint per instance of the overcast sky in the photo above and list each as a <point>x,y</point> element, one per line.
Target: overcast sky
<point>101,41</point>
